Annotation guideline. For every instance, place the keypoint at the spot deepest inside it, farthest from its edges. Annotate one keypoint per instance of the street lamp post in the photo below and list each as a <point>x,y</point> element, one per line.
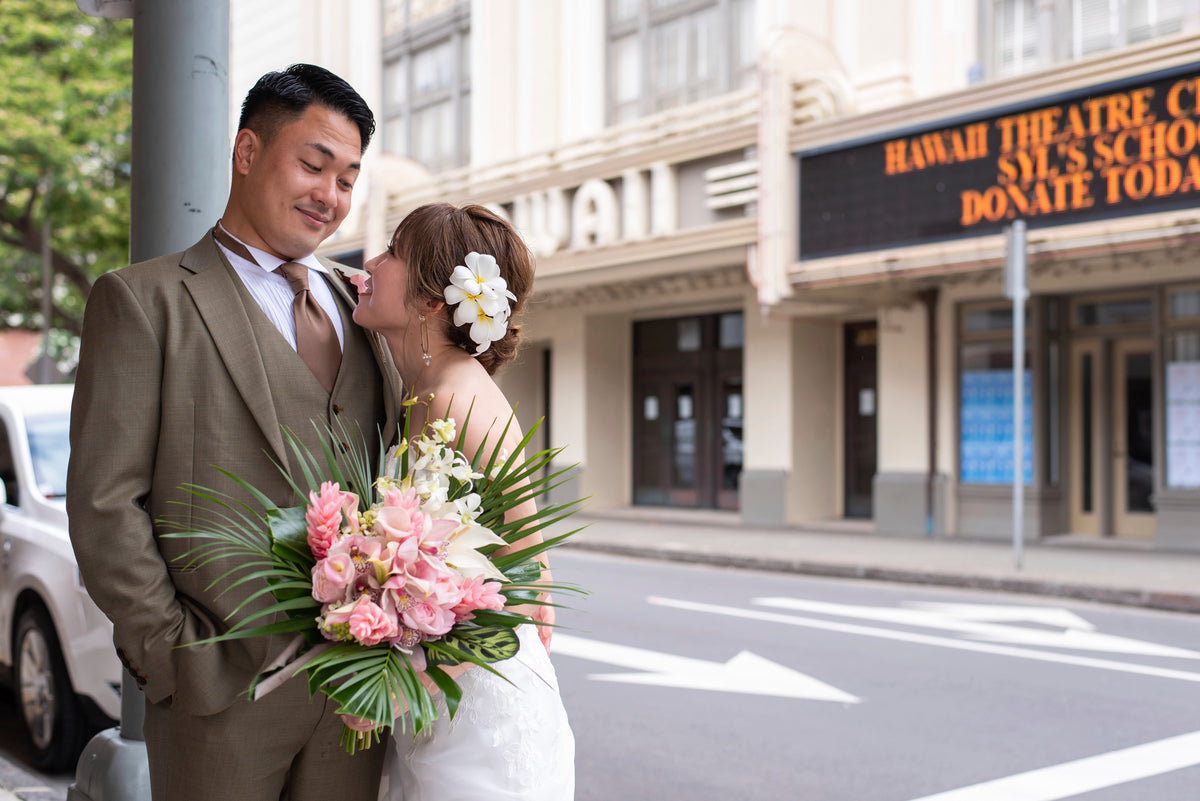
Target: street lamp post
<point>178,188</point>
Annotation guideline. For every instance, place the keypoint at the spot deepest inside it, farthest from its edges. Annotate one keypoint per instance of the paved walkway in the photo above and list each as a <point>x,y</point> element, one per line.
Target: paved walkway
<point>1110,572</point>
<point>18,785</point>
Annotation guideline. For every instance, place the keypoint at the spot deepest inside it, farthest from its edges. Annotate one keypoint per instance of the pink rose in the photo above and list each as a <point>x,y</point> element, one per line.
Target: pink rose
<point>369,624</point>
<point>446,589</point>
<point>324,516</point>
<point>428,618</point>
<point>331,576</point>
<point>433,581</point>
<point>477,593</point>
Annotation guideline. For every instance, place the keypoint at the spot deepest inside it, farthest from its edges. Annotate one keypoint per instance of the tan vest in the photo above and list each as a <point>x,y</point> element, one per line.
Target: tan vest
<point>300,400</point>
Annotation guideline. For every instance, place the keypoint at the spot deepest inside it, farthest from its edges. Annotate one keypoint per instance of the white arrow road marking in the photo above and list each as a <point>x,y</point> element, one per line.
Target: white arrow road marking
<point>992,632</point>
<point>989,613</point>
<point>744,673</point>
<point>1083,775</point>
<point>926,639</point>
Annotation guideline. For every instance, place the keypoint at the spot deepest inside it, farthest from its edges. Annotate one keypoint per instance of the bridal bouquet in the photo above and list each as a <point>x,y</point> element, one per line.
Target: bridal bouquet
<point>387,573</point>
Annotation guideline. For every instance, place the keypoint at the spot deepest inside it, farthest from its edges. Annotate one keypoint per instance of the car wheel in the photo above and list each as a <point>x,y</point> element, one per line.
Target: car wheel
<point>53,719</point>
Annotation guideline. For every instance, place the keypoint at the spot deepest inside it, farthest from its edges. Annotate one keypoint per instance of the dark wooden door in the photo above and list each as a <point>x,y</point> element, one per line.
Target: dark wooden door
<point>687,398</point>
<point>861,409</point>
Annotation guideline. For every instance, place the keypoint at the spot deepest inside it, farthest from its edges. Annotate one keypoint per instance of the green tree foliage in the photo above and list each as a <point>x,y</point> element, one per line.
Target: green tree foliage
<point>65,119</point>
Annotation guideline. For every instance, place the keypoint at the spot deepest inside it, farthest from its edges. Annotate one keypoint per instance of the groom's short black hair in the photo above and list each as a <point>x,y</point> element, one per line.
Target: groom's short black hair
<point>279,97</point>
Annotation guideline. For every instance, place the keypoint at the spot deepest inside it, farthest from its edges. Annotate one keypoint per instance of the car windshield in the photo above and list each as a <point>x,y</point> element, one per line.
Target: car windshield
<point>50,446</point>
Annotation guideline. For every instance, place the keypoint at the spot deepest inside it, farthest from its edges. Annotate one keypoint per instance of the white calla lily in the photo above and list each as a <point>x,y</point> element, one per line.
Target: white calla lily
<point>462,552</point>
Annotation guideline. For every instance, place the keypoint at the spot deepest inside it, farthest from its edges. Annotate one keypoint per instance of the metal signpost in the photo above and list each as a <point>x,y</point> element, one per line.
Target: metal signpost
<point>1015,289</point>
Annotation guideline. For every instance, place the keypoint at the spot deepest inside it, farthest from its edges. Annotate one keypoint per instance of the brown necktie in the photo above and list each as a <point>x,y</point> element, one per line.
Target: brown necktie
<point>316,338</point>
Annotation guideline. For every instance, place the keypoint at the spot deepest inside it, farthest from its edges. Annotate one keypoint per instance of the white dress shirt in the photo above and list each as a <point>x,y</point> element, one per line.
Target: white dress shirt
<point>273,292</point>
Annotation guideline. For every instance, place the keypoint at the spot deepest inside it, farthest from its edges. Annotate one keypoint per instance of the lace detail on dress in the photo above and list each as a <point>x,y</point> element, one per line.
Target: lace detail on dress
<point>509,741</point>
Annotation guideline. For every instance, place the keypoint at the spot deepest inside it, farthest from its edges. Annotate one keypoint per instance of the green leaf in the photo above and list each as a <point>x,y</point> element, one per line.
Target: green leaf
<point>450,689</point>
<point>491,644</point>
<point>289,535</point>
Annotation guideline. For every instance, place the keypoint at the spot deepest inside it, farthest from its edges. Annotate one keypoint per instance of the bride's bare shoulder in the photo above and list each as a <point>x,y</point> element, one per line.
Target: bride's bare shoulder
<point>484,404</point>
<point>480,405</point>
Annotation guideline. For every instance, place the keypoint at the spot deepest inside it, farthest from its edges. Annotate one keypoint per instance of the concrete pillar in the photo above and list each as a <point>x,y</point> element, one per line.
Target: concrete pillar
<point>607,389</point>
<point>815,488</point>
<point>768,386</point>
<point>883,70</point>
<point>791,472</point>
<point>901,483</point>
<point>562,331</point>
<point>590,387</point>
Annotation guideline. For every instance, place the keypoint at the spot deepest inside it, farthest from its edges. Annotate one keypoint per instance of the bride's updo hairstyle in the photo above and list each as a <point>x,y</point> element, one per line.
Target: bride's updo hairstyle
<point>436,237</point>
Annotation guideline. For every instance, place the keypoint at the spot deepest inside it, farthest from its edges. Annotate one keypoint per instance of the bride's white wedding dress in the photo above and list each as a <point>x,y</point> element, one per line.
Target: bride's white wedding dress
<point>507,742</point>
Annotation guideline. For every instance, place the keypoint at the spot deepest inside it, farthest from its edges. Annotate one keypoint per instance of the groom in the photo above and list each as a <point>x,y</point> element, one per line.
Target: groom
<point>194,361</point>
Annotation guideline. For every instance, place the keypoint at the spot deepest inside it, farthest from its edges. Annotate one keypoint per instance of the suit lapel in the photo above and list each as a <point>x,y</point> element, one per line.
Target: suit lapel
<point>217,298</point>
<point>383,356</point>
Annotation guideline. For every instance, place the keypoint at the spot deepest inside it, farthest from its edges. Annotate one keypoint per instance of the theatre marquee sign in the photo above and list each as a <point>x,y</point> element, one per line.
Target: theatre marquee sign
<point>1113,150</point>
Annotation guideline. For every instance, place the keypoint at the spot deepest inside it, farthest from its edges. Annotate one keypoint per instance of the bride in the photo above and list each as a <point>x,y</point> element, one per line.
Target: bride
<point>441,296</point>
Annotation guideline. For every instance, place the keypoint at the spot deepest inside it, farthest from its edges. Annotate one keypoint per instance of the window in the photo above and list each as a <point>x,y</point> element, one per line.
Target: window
<point>1136,311</point>
<point>985,393</point>
<point>426,80</point>
<point>667,53</point>
<point>50,448</point>
<point>1023,35</point>
<point>8,469</point>
<point>1182,354</point>
<point>1015,25</point>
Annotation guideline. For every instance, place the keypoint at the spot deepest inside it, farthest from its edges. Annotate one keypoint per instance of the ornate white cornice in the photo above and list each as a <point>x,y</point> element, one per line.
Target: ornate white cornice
<point>633,293</point>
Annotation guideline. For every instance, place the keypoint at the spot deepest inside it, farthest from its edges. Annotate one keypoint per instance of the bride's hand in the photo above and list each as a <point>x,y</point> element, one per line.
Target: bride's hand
<point>360,725</point>
<point>545,615</point>
<point>453,671</point>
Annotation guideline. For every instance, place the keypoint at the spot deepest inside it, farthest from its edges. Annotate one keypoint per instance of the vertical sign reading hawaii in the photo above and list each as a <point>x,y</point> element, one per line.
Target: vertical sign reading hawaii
<point>1120,149</point>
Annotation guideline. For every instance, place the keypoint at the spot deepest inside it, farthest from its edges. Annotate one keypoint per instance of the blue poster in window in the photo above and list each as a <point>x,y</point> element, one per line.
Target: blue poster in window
<point>986,427</point>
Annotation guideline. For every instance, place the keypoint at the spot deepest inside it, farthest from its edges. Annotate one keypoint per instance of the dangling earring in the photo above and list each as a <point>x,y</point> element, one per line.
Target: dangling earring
<point>424,340</point>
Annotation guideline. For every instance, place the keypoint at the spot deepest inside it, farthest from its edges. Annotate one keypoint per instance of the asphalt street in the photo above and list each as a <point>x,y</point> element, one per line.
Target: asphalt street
<point>764,686</point>
<point>697,681</point>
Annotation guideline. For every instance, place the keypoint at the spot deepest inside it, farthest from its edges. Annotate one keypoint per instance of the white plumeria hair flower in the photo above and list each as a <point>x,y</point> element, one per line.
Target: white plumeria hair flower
<point>480,297</point>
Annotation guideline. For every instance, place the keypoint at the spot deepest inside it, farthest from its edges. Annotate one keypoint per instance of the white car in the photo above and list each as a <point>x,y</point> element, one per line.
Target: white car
<point>53,639</point>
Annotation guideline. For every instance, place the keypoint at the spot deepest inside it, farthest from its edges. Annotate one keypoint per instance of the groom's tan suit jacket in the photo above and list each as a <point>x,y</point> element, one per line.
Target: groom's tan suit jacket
<point>181,372</point>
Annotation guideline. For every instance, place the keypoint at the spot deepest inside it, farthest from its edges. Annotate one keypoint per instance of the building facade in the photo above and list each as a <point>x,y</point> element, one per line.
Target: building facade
<point>771,240</point>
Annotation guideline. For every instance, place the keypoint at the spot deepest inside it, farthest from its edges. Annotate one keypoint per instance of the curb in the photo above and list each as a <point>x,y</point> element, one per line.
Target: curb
<point>18,785</point>
<point>1150,599</point>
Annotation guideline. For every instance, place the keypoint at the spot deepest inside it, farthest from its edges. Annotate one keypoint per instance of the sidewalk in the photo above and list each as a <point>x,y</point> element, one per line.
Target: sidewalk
<point>1083,568</point>
<point>18,785</point>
